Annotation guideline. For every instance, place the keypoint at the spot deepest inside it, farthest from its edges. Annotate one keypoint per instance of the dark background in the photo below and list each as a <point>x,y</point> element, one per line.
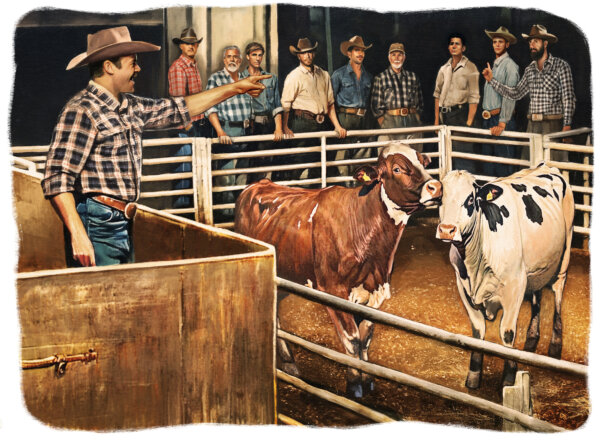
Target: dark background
<point>46,40</point>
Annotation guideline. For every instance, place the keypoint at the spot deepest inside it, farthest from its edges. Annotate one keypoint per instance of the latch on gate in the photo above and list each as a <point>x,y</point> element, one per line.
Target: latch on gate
<point>60,361</point>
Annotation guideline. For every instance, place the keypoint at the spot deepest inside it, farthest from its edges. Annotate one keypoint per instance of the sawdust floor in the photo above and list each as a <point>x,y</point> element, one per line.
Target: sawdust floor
<point>424,290</point>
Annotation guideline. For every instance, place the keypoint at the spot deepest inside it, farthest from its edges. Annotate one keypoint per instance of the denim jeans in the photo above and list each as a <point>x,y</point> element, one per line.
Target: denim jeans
<point>499,169</point>
<point>109,232</point>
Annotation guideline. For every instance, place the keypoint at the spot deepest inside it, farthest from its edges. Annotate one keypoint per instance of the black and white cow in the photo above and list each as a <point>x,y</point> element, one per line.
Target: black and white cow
<point>510,239</point>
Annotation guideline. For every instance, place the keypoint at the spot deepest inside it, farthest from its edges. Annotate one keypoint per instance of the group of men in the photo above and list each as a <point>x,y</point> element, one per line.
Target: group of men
<point>93,169</point>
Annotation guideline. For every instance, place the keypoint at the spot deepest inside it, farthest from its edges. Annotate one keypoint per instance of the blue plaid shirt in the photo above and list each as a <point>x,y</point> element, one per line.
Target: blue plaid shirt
<point>506,71</point>
<point>269,100</point>
<point>348,91</point>
<point>235,109</point>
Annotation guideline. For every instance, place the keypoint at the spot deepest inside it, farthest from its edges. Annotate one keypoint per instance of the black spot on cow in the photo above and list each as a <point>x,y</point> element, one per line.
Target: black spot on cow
<point>564,183</point>
<point>519,187</point>
<point>532,209</point>
<point>458,261</point>
<point>555,194</point>
<point>469,205</point>
<point>509,336</point>
<point>493,213</point>
<point>366,189</point>
<point>541,191</point>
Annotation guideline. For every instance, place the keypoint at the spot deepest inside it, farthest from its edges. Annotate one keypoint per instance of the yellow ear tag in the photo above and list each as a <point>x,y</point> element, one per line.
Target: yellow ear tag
<point>490,196</point>
<point>366,178</point>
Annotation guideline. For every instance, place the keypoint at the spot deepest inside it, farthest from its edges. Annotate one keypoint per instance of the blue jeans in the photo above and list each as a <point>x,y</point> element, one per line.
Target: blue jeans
<point>499,169</point>
<point>109,232</point>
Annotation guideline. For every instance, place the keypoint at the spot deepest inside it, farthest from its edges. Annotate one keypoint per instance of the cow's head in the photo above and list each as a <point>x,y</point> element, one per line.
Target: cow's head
<point>459,206</point>
<point>401,170</point>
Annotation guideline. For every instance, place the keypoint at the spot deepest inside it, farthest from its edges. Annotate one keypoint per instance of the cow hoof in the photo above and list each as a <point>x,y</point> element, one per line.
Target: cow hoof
<point>354,390</point>
<point>473,380</point>
<point>554,350</point>
<point>290,368</point>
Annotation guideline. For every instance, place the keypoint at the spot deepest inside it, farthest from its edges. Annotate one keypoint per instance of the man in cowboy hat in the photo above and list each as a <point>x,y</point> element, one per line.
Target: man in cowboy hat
<point>266,109</point>
<point>352,91</point>
<point>93,168</point>
<point>396,97</point>
<point>549,83</point>
<point>498,111</point>
<point>456,95</point>
<point>307,97</point>
<point>184,80</point>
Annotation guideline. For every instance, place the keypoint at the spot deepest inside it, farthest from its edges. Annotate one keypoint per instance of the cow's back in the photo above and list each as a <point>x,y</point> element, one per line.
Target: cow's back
<point>281,216</point>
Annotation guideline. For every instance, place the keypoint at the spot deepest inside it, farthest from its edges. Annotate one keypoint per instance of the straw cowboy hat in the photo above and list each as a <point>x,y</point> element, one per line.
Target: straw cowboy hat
<point>188,36</point>
<point>355,41</point>
<point>539,31</point>
<point>304,45</point>
<point>502,32</point>
<point>110,43</point>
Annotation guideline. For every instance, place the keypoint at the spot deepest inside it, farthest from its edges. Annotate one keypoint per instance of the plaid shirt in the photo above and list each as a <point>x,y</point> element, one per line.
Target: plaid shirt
<point>269,100</point>
<point>551,90</point>
<point>396,90</point>
<point>184,79</point>
<point>235,109</point>
<point>97,143</point>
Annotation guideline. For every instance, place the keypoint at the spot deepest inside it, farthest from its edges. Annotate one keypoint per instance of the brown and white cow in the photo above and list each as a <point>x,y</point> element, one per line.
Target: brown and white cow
<point>342,240</point>
<point>510,238</point>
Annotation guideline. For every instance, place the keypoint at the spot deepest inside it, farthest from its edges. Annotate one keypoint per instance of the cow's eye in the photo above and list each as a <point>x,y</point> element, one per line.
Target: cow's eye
<point>397,169</point>
<point>470,200</point>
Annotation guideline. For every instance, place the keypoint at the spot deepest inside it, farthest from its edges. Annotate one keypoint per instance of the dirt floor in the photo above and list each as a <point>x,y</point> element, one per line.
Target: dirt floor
<point>424,290</point>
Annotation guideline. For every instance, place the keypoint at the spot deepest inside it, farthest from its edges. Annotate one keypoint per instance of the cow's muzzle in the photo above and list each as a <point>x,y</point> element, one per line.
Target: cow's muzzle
<point>431,193</point>
<point>448,233</point>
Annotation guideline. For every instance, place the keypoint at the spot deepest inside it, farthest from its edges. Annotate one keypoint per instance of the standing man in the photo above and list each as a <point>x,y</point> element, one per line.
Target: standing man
<point>549,83</point>
<point>266,108</point>
<point>457,95</point>
<point>306,99</point>
<point>352,91</point>
<point>498,111</point>
<point>397,98</point>
<point>230,118</point>
<point>184,80</point>
<point>94,164</point>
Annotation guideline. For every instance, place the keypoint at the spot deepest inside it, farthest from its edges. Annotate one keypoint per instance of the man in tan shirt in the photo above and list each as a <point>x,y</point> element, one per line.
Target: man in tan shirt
<point>457,95</point>
<point>307,99</point>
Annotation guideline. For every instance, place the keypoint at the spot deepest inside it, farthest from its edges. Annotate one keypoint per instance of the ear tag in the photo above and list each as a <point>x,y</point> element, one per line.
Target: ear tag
<point>366,178</point>
<point>490,196</point>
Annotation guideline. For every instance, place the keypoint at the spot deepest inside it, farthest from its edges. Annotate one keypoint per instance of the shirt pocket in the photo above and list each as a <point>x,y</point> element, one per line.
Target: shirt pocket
<point>389,96</point>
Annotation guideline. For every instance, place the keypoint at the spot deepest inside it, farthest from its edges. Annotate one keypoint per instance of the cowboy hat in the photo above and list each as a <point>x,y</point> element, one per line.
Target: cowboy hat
<point>539,31</point>
<point>355,41</point>
<point>502,32</point>
<point>188,36</point>
<point>110,43</point>
<point>304,45</point>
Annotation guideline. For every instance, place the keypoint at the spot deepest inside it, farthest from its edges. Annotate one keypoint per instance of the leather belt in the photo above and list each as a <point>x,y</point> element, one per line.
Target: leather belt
<point>536,117</point>
<point>353,110</point>
<point>128,209</point>
<point>262,119</point>
<point>320,118</point>
<point>401,111</point>
<point>243,124</point>
<point>487,114</point>
<point>452,108</point>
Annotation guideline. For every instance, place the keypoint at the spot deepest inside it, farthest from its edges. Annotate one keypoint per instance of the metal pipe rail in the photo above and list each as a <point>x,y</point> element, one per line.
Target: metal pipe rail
<point>426,386</point>
<point>444,336</point>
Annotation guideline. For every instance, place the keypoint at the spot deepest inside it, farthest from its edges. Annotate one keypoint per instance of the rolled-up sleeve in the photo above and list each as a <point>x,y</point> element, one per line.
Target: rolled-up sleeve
<point>290,91</point>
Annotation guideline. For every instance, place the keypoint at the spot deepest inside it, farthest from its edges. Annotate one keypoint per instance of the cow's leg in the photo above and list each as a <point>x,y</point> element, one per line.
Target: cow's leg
<point>513,295</point>
<point>349,335</point>
<point>555,347</point>
<point>288,365</point>
<point>365,329</point>
<point>533,332</point>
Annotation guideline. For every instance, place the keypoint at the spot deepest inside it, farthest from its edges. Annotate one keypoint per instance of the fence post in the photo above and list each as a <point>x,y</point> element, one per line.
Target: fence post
<point>203,168</point>
<point>445,151</point>
<point>537,152</point>
<point>517,397</point>
<point>323,161</point>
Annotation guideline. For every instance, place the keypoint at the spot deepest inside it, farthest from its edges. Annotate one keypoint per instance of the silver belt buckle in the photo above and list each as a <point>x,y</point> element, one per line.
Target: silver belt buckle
<point>403,111</point>
<point>444,109</point>
<point>246,123</point>
<point>537,117</point>
<point>320,119</point>
<point>486,114</point>
<point>361,111</point>
<point>261,119</point>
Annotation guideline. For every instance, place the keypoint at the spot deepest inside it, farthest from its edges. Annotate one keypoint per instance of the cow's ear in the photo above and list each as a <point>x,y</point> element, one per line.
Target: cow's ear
<point>424,159</point>
<point>366,174</point>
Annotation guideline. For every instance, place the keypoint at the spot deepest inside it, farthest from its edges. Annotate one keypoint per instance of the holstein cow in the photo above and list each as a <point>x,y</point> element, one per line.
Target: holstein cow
<point>510,239</point>
<point>342,240</point>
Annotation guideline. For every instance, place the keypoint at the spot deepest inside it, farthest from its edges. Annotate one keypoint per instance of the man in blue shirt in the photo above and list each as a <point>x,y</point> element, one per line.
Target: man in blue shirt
<point>352,90</point>
<point>498,111</point>
<point>266,109</point>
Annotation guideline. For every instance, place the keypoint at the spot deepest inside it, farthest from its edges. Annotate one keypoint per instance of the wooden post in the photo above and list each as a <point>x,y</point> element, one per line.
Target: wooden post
<point>203,193</point>
<point>517,397</point>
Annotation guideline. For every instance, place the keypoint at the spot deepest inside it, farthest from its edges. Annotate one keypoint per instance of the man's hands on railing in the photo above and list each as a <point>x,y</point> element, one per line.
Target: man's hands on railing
<point>341,132</point>
<point>498,129</point>
<point>223,137</point>
<point>287,132</point>
<point>278,135</point>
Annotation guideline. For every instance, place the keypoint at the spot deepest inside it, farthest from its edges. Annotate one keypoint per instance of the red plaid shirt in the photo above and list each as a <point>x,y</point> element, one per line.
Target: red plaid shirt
<point>97,143</point>
<point>184,79</point>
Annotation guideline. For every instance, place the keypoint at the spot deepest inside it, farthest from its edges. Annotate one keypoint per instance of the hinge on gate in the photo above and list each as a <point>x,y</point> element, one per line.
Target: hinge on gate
<point>60,361</point>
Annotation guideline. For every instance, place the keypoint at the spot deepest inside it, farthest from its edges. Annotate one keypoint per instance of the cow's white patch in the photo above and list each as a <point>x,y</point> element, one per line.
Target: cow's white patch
<point>299,222</point>
<point>360,295</point>
<point>393,210</point>
<point>313,213</point>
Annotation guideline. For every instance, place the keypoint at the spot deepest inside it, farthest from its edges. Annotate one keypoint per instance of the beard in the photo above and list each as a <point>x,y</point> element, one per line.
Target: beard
<point>397,66</point>
<point>536,54</point>
<point>232,67</point>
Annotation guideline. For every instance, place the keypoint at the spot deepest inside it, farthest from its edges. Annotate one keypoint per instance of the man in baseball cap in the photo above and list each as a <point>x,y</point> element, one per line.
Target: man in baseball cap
<point>93,168</point>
